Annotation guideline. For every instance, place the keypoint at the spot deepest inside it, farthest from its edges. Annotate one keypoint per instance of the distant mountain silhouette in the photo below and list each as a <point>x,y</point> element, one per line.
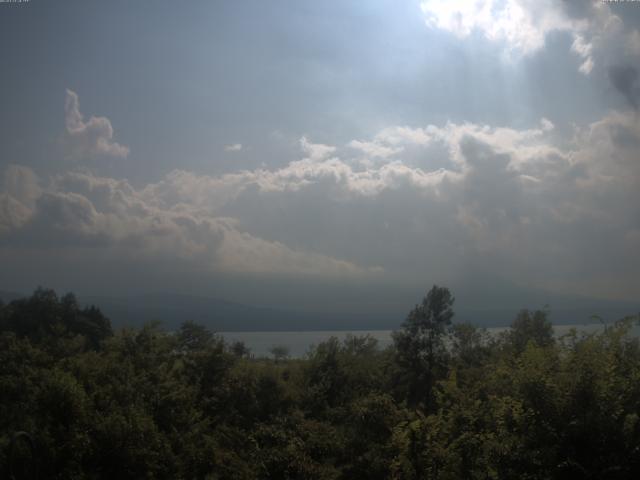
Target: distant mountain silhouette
<point>221,315</point>
<point>224,316</point>
<point>172,309</point>
<point>7,296</point>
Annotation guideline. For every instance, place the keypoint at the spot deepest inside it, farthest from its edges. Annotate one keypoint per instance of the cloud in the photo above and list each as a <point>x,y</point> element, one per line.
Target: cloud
<point>511,202</point>
<point>546,124</point>
<point>344,177</point>
<point>20,190</point>
<point>374,149</point>
<point>584,50</point>
<point>242,252</point>
<point>235,147</point>
<point>609,153</point>
<point>88,139</point>
<point>79,209</point>
<point>625,81</point>
<point>22,184</point>
<point>522,26</point>
<point>633,43</point>
<point>454,200</point>
<point>338,175</point>
<point>316,151</point>
<point>13,214</point>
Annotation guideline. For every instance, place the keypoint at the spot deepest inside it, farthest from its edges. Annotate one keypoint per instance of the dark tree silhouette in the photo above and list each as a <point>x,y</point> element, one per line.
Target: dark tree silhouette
<point>44,316</point>
<point>421,352</point>
<point>531,327</point>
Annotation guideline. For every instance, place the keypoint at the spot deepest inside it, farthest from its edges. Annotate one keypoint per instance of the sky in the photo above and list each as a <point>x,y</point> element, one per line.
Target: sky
<point>329,156</point>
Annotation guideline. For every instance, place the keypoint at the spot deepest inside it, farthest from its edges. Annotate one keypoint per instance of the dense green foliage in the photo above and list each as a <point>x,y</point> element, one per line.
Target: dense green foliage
<point>444,401</point>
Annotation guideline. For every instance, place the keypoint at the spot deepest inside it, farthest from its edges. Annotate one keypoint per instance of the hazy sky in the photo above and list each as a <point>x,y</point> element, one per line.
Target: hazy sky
<point>306,154</point>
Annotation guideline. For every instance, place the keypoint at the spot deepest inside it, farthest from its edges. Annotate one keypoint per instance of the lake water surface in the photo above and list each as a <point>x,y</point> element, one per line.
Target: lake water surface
<point>299,343</point>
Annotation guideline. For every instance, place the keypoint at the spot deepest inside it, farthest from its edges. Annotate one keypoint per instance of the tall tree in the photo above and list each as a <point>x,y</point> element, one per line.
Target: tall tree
<point>421,352</point>
<point>531,327</point>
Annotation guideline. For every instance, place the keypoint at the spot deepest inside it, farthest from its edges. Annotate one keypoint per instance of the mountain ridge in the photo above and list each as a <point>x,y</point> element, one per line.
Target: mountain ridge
<point>172,309</point>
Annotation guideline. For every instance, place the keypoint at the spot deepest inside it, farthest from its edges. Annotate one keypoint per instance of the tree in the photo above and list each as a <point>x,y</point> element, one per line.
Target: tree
<point>44,317</point>
<point>467,344</point>
<point>531,327</point>
<point>88,321</point>
<point>240,349</point>
<point>421,353</point>
<point>279,352</point>
<point>194,337</point>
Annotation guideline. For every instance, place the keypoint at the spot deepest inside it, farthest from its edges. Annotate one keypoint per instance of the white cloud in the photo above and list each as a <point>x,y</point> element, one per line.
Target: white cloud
<point>522,26</point>
<point>235,147</point>
<point>22,184</point>
<point>91,138</point>
<point>374,149</point>
<point>524,147</point>
<point>398,135</point>
<point>501,198</point>
<point>547,125</point>
<point>584,50</point>
<point>316,151</point>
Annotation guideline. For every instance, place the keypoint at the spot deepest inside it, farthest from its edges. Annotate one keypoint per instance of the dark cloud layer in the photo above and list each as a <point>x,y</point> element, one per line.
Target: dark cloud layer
<point>624,78</point>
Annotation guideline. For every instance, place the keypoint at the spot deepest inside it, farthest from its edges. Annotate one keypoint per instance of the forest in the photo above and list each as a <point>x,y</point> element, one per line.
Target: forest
<point>445,401</point>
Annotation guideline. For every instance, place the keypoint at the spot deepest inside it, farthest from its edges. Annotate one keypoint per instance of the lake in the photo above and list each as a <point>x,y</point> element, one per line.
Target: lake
<point>299,343</point>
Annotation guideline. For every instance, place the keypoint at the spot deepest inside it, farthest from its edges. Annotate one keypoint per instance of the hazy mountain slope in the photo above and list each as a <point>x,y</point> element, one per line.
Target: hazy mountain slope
<point>222,315</point>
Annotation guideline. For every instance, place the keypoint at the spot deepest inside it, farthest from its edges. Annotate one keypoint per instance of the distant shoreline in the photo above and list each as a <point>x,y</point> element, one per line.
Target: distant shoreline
<point>299,342</point>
